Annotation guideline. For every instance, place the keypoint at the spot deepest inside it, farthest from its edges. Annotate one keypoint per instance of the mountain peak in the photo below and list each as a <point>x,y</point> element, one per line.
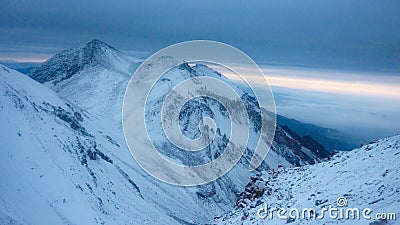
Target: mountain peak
<point>97,44</point>
<point>69,62</point>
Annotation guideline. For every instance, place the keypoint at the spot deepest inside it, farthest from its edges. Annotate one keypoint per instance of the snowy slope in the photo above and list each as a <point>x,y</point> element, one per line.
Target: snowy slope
<point>367,177</point>
<point>73,169</point>
<point>83,145</point>
<point>57,167</point>
<point>74,172</point>
<point>92,76</point>
<point>286,149</point>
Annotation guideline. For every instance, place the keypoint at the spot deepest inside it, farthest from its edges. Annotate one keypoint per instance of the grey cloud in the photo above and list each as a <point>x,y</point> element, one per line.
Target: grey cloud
<point>359,33</point>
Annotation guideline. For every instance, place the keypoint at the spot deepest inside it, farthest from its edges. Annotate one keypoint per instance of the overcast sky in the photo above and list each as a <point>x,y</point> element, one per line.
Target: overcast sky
<point>361,36</point>
<point>349,34</point>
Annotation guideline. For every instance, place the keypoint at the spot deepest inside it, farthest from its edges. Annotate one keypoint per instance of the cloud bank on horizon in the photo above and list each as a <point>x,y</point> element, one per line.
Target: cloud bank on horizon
<point>362,105</point>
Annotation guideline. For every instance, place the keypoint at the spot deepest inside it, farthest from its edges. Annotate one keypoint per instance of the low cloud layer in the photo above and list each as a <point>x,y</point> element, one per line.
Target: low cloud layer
<point>363,106</point>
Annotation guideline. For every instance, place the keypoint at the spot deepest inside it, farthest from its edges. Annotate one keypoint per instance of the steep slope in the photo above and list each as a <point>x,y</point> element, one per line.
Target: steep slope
<point>367,177</point>
<point>74,169</point>
<point>74,172</point>
<point>58,167</point>
<point>92,76</point>
<point>92,83</point>
<point>286,149</point>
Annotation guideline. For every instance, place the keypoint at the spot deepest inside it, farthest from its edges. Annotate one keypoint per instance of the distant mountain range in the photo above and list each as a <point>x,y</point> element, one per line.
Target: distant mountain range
<point>22,67</point>
<point>331,139</point>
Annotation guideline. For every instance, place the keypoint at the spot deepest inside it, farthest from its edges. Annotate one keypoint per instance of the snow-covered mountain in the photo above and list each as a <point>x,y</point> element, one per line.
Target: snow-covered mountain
<point>367,177</point>
<point>101,73</point>
<point>57,166</point>
<point>92,76</point>
<point>64,159</point>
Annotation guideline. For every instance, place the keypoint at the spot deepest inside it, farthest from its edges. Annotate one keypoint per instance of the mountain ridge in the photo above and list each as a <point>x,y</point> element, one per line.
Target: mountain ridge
<point>88,152</point>
<point>331,139</point>
<point>82,137</point>
<point>102,84</point>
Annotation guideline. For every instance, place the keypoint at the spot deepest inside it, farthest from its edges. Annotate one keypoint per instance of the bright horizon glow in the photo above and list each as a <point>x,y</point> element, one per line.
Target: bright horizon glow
<point>297,78</point>
<point>327,81</point>
<point>341,87</point>
<point>362,105</point>
<point>25,59</point>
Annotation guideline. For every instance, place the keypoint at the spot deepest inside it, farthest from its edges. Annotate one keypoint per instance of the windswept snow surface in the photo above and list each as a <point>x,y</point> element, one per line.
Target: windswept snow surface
<point>58,167</point>
<point>367,177</point>
<point>92,76</point>
<point>64,159</point>
<point>61,164</point>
